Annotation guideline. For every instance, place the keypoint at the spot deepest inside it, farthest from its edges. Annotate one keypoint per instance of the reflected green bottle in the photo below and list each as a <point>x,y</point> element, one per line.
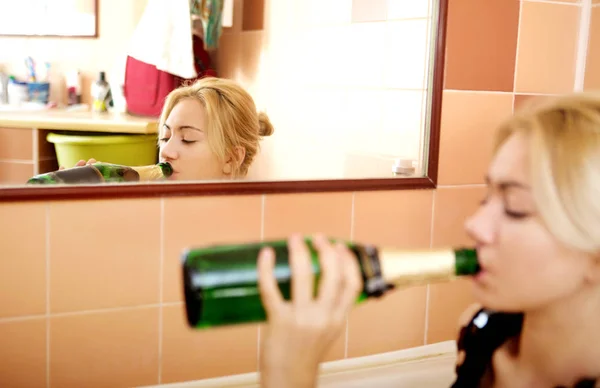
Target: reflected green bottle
<point>221,282</point>
<point>104,173</point>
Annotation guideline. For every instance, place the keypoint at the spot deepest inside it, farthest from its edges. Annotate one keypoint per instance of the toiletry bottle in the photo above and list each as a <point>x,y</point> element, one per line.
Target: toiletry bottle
<point>104,173</point>
<point>3,88</point>
<point>101,95</point>
<point>221,282</point>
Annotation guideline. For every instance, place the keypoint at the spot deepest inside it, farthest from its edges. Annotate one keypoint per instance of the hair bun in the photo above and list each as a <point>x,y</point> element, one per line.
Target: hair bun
<point>266,128</point>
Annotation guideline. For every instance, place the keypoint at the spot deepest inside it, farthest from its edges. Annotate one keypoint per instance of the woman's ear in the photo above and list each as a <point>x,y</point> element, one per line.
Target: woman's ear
<point>234,161</point>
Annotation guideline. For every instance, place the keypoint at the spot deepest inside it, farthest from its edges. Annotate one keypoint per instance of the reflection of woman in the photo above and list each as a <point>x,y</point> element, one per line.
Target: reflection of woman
<point>210,130</point>
<point>537,234</point>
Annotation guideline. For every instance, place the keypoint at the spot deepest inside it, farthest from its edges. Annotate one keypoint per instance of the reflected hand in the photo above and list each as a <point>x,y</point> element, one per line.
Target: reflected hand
<point>299,332</point>
<point>81,163</point>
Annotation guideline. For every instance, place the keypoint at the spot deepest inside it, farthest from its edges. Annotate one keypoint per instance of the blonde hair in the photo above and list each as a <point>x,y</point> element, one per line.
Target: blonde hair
<point>564,150</point>
<point>232,120</point>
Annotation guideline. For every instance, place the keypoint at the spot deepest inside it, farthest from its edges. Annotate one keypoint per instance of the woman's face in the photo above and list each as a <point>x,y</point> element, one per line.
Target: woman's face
<point>524,266</point>
<point>184,144</point>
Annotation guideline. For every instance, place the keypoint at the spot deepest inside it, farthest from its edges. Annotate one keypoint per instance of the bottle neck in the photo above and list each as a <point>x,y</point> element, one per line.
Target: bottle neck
<point>406,268</point>
<point>149,173</point>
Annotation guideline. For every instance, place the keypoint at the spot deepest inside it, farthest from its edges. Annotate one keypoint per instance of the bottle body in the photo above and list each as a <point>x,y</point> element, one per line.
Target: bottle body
<point>221,282</point>
<point>104,173</point>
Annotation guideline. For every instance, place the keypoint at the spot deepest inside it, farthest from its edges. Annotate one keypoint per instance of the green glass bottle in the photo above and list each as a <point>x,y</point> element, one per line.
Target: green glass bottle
<point>104,173</point>
<point>221,282</point>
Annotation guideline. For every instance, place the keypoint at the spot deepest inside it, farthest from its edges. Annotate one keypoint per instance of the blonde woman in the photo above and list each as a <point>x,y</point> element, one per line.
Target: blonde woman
<point>537,234</point>
<point>210,130</point>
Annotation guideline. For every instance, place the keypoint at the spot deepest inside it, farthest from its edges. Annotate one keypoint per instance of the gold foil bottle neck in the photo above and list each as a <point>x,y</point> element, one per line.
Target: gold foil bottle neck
<point>149,173</point>
<point>406,268</point>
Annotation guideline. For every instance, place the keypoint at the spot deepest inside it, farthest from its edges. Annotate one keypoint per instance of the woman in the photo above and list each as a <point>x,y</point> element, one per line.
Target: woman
<point>209,130</point>
<point>537,235</point>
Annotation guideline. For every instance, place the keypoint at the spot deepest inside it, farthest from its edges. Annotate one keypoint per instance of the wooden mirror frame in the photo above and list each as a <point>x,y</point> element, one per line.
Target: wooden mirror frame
<point>429,181</point>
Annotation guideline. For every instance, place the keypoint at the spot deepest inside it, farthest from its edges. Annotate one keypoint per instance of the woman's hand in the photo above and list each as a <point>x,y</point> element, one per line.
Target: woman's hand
<point>299,332</point>
<point>81,163</point>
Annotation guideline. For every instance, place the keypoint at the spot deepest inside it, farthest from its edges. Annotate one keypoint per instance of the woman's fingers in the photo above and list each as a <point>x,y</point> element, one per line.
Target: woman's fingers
<point>301,267</point>
<point>91,161</point>
<point>352,283</point>
<point>267,283</point>
<point>331,271</point>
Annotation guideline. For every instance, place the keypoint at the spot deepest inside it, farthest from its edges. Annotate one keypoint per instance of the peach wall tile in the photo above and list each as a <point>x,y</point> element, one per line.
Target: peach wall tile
<point>395,322</point>
<point>447,301</point>
<point>402,9</point>
<point>547,48</point>
<point>23,264</point>
<point>368,10</point>
<point>104,254</point>
<point>189,354</point>
<point>198,221</point>
<point>23,354</point>
<point>469,121</point>
<point>592,72</point>
<point>480,51</point>
<point>253,15</point>
<point>453,205</point>
<point>109,349</point>
<point>15,173</point>
<point>16,143</point>
<point>308,213</point>
<point>398,218</point>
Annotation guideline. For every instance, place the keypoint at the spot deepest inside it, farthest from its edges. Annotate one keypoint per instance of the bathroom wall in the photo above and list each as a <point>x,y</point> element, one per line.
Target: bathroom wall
<point>89,291</point>
<point>117,21</point>
<point>592,74</point>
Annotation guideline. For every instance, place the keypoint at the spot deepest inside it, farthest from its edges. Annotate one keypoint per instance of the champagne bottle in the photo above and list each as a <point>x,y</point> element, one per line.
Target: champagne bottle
<point>104,173</point>
<point>221,282</point>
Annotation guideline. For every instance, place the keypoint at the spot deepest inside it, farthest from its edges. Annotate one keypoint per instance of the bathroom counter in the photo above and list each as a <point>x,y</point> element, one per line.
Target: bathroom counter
<point>59,119</point>
<point>423,367</point>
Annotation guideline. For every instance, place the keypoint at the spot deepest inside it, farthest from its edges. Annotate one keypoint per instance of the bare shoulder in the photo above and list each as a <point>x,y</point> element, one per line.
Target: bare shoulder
<point>468,314</point>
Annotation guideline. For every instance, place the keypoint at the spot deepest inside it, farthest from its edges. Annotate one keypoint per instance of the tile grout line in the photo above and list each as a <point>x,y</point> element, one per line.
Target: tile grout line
<point>263,200</point>
<point>47,243</point>
<point>161,261</point>
<point>428,289</point>
<point>517,47</point>
<point>85,312</point>
<point>585,20</point>
<point>347,338</point>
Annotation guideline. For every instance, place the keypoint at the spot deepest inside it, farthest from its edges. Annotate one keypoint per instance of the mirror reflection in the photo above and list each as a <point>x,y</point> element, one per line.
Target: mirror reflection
<point>192,90</point>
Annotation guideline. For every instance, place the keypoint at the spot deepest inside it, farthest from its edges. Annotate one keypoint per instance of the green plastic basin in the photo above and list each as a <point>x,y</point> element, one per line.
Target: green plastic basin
<point>129,150</point>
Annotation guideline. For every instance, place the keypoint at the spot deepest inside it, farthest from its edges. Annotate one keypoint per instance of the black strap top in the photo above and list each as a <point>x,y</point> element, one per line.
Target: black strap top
<point>479,339</point>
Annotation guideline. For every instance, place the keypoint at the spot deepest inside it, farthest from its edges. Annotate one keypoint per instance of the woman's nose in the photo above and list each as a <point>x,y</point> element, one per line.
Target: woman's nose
<point>168,150</point>
<point>481,226</point>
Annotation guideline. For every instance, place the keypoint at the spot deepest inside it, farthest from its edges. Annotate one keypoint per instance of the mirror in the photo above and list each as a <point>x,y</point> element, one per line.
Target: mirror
<point>73,18</point>
<point>352,88</point>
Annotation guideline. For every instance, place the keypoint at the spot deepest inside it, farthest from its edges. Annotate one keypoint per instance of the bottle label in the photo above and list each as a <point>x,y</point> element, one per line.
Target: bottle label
<point>83,174</point>
<point>374,284</point>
